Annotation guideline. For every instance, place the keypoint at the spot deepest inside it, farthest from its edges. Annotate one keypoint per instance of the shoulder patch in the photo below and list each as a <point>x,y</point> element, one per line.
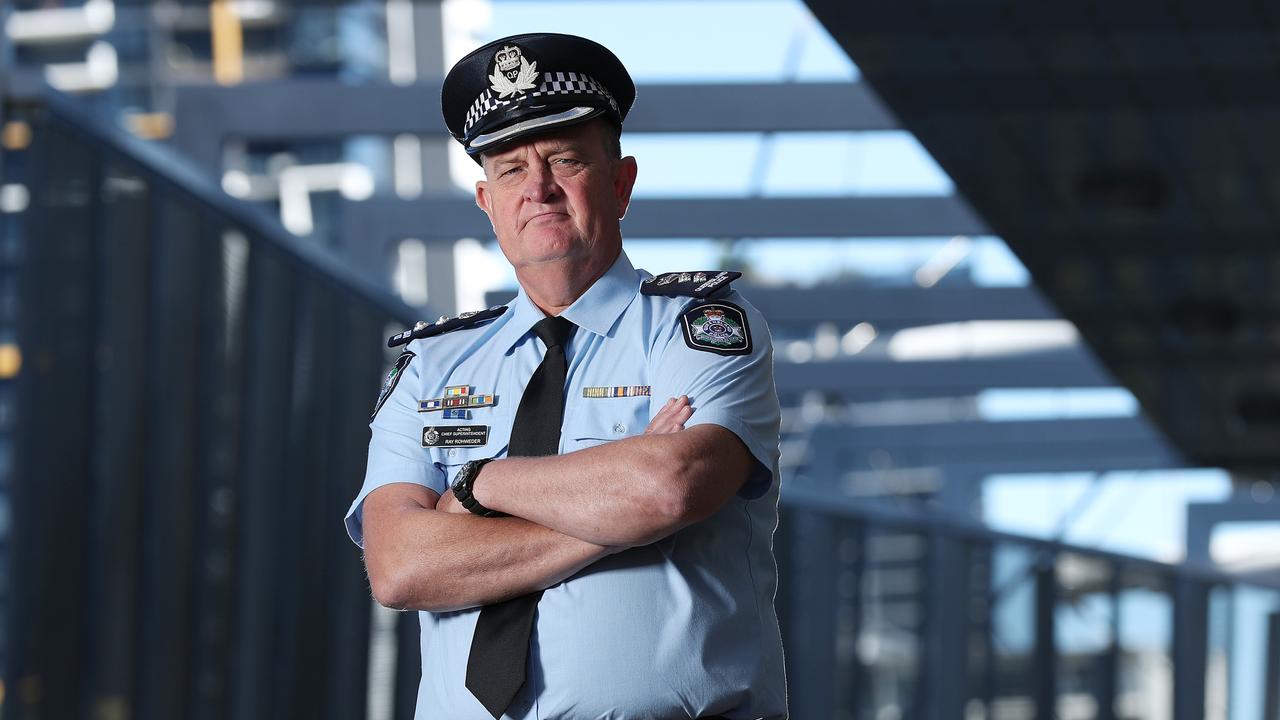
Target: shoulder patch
<point>717,327</point>
<point>446,324</point>
<point>393,379</point>
<point>699,284</point>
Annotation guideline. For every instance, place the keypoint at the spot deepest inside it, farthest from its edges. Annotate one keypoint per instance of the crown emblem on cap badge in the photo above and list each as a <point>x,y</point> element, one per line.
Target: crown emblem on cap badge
<point>513,73</point>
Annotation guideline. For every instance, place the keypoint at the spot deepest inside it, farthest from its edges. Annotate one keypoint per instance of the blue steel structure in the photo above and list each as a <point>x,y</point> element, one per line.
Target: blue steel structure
<point>189,424</point>
<point>192,408</point>
<point>203,469</point>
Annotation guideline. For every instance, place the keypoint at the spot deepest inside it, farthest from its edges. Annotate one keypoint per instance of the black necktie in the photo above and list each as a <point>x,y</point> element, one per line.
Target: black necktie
<point>500,645</point>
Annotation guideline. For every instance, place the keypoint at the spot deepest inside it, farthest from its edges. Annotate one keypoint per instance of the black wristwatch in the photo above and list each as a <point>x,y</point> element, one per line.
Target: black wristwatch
<point>462,488</point>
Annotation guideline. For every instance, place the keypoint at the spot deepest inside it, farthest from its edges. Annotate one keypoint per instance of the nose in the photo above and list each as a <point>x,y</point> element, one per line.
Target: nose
<point>540,184</point>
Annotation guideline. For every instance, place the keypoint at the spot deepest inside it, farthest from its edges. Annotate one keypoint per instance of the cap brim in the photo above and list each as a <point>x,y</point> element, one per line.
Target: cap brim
<point>542,123</point>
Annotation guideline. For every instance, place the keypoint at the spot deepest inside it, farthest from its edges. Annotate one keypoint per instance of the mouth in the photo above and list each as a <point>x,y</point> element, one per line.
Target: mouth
<point>546,217</point>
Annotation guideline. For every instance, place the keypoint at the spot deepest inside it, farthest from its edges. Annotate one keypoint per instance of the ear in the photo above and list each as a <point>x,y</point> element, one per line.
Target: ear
<point>484,200</point>
<point>624,180</point>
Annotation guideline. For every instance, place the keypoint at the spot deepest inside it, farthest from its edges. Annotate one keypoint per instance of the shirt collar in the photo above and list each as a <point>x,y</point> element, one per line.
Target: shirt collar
<point>596,310</point>
<point>602,304</point>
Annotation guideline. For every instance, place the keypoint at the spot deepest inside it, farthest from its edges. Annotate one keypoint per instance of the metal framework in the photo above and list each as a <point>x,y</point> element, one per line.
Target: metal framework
<point>301,109</point>
<point>190,507</point>
<point>185,481</point>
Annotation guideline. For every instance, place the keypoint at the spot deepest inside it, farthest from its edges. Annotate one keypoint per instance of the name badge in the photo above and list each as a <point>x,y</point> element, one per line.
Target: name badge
<point>455,435</point>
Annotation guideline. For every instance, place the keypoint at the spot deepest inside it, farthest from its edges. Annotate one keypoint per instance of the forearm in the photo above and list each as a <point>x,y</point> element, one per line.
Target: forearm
<point>439,561</point>
<point>625,493</point>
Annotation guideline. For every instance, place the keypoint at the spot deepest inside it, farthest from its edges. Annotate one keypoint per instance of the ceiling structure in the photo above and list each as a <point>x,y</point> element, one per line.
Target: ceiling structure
<point>1129,154</point>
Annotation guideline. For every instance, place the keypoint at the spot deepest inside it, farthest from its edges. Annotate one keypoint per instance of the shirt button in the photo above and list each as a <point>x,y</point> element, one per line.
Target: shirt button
<point>619,428</point>
<point>452,452</point>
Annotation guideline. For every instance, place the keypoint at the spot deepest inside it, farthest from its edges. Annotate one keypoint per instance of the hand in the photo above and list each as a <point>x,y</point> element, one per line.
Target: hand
<point>448,502</point>
<point>671,417</point>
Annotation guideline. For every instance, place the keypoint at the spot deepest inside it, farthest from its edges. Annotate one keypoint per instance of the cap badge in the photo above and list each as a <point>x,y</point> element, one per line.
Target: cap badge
<point>513,73</point>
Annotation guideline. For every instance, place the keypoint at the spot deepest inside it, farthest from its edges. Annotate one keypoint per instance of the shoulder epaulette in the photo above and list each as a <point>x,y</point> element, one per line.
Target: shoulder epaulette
<point>698,284</point>
<point>446,324</point>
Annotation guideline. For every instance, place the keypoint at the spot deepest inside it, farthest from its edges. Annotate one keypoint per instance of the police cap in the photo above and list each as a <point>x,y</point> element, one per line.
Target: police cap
<point>532,83</point>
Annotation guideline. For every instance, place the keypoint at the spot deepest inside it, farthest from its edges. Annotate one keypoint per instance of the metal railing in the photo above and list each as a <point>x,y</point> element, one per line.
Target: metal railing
<point>191,428</point>
<point>192,412</point>
<point>890,611</point>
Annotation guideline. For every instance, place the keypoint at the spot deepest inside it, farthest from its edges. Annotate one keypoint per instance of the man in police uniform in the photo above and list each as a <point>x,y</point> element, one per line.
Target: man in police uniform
<point>649,536</point>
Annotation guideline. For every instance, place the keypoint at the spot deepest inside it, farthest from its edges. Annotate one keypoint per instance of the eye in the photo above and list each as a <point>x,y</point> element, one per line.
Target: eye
<point>509,171</point>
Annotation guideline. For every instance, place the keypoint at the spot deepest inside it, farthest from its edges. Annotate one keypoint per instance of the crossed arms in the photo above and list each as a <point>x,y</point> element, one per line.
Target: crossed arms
<point>426,552</point>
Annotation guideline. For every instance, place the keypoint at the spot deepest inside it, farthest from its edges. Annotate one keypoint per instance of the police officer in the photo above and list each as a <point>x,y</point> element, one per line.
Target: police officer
<point>577,491</point>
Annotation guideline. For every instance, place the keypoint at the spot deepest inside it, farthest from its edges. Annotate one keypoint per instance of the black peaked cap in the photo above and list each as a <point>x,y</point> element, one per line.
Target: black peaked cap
<point>525,84</point>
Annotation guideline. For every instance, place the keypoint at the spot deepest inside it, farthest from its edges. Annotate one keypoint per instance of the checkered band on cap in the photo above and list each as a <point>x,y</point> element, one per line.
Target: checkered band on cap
<point>553,83</point>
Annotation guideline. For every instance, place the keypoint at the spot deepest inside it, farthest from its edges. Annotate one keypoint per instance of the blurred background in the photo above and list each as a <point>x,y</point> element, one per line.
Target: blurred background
<point>1020,262</point>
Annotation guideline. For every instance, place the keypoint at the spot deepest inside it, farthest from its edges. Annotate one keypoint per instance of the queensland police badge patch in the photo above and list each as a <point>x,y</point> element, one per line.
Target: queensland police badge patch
<point>393,377</point>
<point>718,327</point>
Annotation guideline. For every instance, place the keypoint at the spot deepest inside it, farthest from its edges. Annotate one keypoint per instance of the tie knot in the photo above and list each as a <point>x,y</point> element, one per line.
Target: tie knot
<point>554,331</point>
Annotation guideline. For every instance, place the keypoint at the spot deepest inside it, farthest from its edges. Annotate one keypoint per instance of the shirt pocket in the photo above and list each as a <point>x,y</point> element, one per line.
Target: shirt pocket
<point>595,421</point>
<point>451,459</point>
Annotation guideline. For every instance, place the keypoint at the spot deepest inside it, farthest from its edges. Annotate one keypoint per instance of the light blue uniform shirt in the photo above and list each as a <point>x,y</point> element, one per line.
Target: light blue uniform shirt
<point>680,628</point>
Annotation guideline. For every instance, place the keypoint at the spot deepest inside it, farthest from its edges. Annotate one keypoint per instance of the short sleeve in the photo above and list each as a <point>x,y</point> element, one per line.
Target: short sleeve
<point>395,447</point>
<point>719,353</point>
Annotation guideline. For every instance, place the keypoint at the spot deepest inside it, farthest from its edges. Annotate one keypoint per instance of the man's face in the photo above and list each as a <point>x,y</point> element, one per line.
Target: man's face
<point>557,197</point>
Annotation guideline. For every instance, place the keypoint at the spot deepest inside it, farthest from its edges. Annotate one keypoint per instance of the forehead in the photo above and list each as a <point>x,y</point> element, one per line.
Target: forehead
<point>573,137</point>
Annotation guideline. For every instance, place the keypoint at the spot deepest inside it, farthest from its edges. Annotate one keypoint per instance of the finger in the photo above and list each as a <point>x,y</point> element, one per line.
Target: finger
<point>667,419</point>
<point>661,424</point>
<point>666,410</point>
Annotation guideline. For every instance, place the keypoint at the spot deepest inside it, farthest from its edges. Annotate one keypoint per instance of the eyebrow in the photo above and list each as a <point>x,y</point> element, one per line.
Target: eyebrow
<point>499,163</point>
<point>554,145</point>
<point>561,146</point>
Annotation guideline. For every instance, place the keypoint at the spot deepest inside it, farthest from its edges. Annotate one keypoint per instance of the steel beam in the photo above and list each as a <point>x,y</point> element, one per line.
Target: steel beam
<point>1202,517</point>
<point>310,109</point>
<point>847,304</point>
<point>1271,702</point>
<point>1190,647</point>
<point>1045,655</point>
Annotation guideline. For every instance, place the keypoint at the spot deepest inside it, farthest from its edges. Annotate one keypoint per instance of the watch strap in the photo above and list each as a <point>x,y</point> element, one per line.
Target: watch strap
<point>462,488</point>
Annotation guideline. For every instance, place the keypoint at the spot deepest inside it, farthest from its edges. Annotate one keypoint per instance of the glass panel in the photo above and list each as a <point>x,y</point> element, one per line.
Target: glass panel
<point>1218,656</point>
<point>1251,610</point>
<point>1007,681</point>
<point>1084,630</point>
<point>1145,674</point>
<point>893,585</point>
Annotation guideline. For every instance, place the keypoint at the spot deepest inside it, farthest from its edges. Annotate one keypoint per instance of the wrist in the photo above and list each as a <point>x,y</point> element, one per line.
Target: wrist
<point>482,491</point>
<point>464,488</point>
